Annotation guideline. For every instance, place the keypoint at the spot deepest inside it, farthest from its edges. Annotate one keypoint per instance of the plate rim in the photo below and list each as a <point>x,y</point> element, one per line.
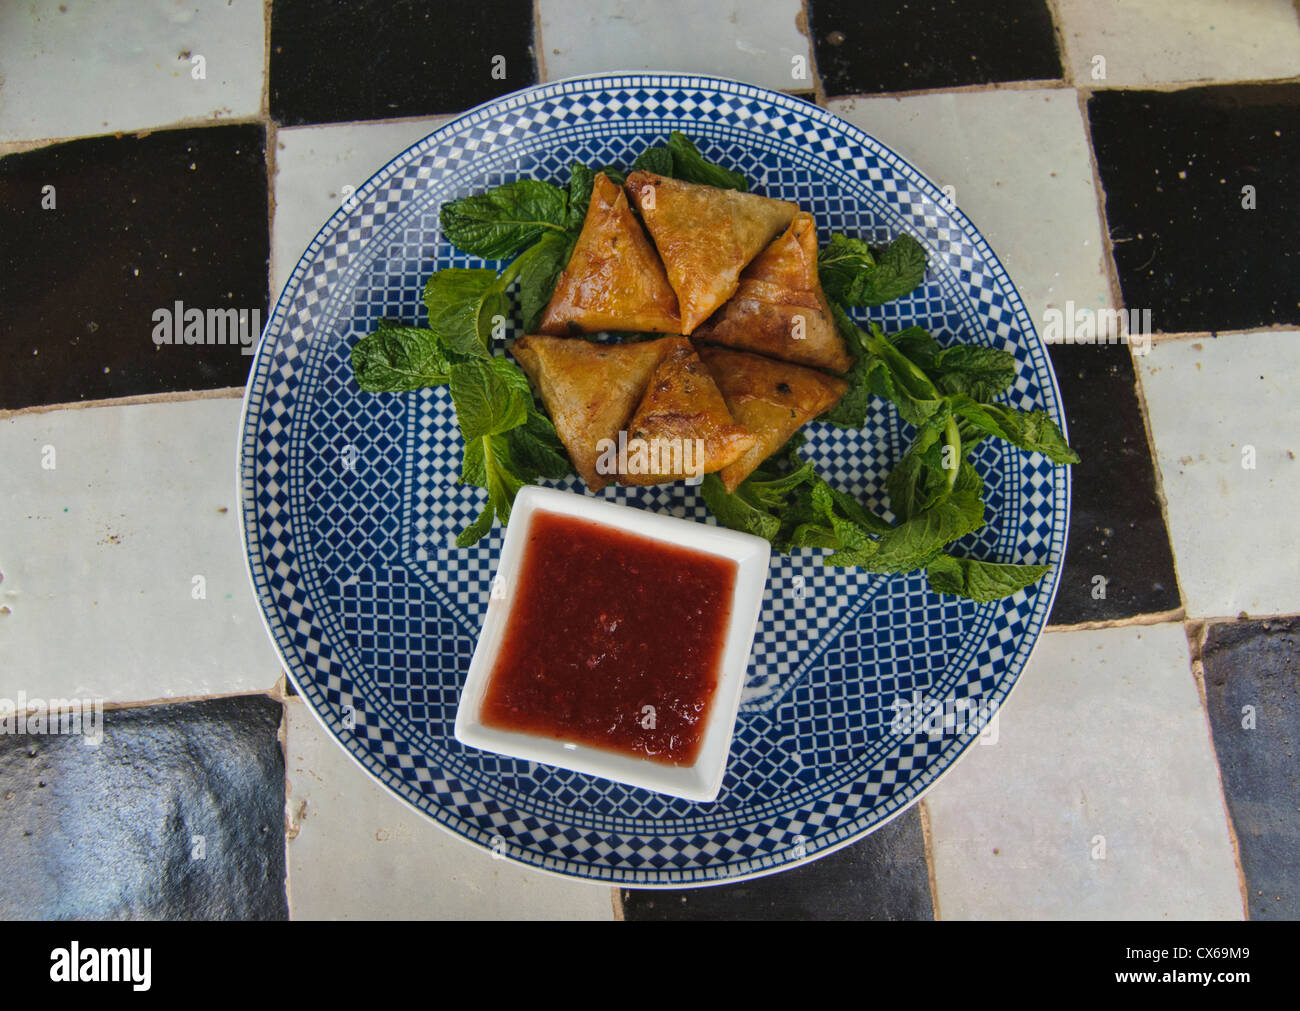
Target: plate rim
<point>616,877</point>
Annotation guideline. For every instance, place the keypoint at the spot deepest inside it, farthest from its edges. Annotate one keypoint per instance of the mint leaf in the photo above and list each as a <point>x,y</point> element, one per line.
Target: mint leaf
<point>854,274</point>
<point>981,372</point>
<point>504,220</point>
<point>693,167</point>
<point>491,396</point>
<point>851,410</point>
<point>477,530</point>
<point>502,481</point>
<point>852,509</point>
<point>884,371</point>
<point>1034,431</point>
<point>919,347</point>
<point>473,463</point>
<point>916,541</point>
<point>841,264</point>
<point>899,269</point>
<point>487,465</point>
<point>535,449</point>
<point>657,159</point>
<point>919,479</point>
<point>736,511</point>
<point>397,358</point>
<point>581,182</point>
<point>681,159</point>
<point>980,581</point>
<point>540,271</point>
<point>461,304</point>
<point>508,442</point>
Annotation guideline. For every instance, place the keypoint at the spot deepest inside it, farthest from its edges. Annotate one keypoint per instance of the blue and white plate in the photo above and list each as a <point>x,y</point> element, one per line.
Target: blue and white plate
<point>351,507</point>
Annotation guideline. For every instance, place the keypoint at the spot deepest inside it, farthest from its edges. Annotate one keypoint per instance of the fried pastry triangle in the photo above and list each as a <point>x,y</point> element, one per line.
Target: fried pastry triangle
<point>614,279</point>
<point>682,427</point>
<point>772,399</point>
<point>589,390</point>
<point>779,309</point>
<point>706,237</point>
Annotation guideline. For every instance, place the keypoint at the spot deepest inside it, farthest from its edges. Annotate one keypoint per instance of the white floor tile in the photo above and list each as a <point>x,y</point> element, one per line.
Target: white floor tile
<point>1101,797</point>
<point>79,69</point>
<point>101,555</point>
<point>1217,407</point>
<point>1035,202</point>
<point>314,165</point>
<point>757,43</point>
<point>359,853</point>
<point>1166,41</point>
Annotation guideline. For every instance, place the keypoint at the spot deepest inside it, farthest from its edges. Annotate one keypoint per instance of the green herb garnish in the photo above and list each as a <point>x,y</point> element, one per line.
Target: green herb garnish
<point>946,394</point>
<point>681,159</point>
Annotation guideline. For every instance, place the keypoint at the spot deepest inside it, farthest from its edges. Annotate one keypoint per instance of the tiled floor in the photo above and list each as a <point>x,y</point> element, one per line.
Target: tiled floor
<point>1116,155</point>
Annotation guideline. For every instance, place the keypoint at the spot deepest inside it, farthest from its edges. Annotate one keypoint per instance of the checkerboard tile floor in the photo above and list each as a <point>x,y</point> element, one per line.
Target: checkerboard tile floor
<point>1117,156</point>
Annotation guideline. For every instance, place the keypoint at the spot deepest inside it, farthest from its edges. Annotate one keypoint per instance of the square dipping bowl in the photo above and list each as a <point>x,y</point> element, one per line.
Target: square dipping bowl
<point>699,781</point>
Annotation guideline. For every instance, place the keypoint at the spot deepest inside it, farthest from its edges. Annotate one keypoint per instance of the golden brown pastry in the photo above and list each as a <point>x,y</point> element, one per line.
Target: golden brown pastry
<point>682,427</point>
<point>772,399</point>
<point>614,279</point>
<point>779,309</point>
<point>589,390</point>
<point>706,237</point>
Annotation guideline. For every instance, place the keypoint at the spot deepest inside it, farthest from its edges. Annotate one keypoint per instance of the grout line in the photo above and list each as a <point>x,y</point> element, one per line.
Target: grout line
<point>1085,91</point>
<point>803,25</point>
<point>927,843</point>
<point>181,396</point>
<point>187,123</point>
<point>1232,619</point>
<point>1157,473</point>
<point>272,140</point>
<point>1170,337</point>
<point>266,60</point>
<point>1195,632</point>
<point>1040,84</point>
<point>269,129</point>
<point>1192,84</point>
<point>1062,49</point>
<point>282,735</point>
<point>538,56</point>
<point>1108,264</point>
<point>179,699</point>
<point>1134,620</point>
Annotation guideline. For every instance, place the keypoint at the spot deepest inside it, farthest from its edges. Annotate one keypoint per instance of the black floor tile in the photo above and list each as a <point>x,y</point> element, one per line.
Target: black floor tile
<point>881,877</point>
<point>177,814</point>
<point>138,224</point>
<point>1174,165</point>
<point>905,45</point>
<point>1252,690</point>
<point>374,59</point>
<point>1117,531</point>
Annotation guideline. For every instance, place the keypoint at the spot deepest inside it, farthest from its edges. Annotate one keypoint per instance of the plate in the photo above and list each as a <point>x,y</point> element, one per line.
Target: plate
<point>862,689</point>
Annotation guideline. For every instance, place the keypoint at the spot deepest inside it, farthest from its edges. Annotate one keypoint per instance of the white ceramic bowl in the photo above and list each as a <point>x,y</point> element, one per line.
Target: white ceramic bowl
<point>700,781</point>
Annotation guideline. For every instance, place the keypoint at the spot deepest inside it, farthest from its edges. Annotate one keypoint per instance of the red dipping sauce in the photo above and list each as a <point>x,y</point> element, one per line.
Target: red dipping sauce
<point>613,641</point>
